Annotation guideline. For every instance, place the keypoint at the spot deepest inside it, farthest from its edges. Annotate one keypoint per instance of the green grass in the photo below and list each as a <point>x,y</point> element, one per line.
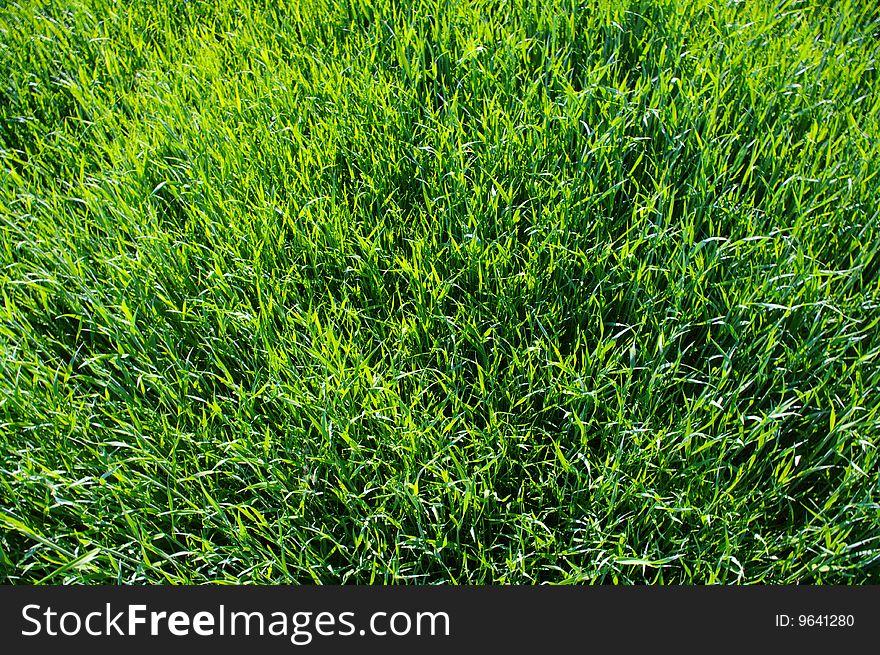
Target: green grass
<point>511,292</point>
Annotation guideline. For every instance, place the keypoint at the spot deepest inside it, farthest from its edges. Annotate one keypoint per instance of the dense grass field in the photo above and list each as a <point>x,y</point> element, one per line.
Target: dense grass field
<point>471,292</point>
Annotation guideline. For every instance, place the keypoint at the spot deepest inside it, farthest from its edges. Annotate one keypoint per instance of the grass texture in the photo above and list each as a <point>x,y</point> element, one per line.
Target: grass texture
<point>471,292</point>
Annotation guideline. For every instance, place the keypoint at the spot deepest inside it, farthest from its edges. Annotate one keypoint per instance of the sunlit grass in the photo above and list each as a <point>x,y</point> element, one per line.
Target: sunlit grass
<point>427,292</point>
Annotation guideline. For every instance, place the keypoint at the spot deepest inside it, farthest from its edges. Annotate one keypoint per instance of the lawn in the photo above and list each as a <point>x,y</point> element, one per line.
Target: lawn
<point>518,291</point>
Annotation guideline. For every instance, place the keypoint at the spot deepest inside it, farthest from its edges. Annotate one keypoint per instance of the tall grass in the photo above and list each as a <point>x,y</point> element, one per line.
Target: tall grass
<point>383,292</point>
